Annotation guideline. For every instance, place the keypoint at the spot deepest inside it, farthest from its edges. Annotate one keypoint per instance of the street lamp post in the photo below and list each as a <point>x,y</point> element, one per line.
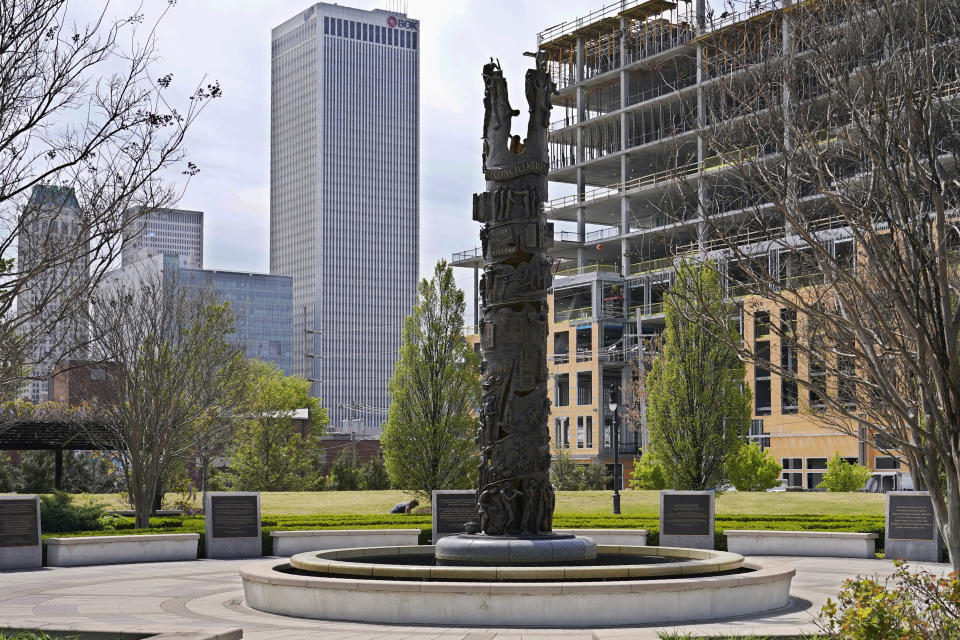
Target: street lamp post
<point>614,393</point>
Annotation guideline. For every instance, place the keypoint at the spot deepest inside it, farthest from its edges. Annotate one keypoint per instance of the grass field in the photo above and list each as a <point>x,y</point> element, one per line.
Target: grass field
<point>568,502</point>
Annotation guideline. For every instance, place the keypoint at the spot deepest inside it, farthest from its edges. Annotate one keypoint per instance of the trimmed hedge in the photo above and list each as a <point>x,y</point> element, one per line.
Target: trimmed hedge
<point>802,522</point>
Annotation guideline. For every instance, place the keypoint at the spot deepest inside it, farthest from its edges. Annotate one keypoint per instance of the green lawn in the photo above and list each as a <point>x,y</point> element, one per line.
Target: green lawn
<point>570,503</point>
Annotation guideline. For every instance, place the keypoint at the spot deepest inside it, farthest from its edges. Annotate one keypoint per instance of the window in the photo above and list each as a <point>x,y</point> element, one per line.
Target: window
<point>793,479</point>
<point>846,381</point>
<point>761,325</point>
<point>581,436</point>
<point>562,390</point>
<point>584,344</point>
<point>98,374</point>
<point>326,24</point>
<point>757,434</point>
<point>588,427</point>
<point>816,463</point>
<point>818,384</point>
<point>845,256</point>
<point>886,462</point>
<point>561,347</point>
<point>585,387</point>
<point>791,463</point>
<point>813,479</point>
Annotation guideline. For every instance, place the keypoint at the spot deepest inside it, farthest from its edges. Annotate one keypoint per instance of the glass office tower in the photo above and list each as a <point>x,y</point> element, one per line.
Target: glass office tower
<point>344,197</point>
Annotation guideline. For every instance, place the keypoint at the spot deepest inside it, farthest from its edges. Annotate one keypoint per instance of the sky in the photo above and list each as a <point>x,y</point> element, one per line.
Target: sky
<point>229,41</point>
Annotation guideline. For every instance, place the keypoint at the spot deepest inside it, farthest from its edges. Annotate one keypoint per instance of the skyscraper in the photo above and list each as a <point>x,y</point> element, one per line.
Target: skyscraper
<point>164,232</point>
<point>344,196</point>
<point>52,235</point>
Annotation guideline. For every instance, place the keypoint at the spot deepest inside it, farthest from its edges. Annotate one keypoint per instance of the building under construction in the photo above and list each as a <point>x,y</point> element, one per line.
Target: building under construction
<point>633,82</point>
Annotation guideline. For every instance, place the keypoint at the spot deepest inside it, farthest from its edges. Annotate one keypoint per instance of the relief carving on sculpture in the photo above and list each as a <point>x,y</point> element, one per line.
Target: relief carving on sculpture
<point>514,493</point>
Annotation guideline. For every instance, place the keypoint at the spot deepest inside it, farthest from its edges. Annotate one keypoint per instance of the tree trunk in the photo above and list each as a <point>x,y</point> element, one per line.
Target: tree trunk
<point>950,527</point>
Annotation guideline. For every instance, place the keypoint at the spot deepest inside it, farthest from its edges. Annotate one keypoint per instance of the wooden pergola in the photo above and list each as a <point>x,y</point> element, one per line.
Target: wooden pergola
<point>56,436</point>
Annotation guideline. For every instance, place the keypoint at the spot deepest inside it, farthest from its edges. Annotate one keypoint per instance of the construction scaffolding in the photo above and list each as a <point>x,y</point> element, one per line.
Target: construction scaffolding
<point>617,34</point>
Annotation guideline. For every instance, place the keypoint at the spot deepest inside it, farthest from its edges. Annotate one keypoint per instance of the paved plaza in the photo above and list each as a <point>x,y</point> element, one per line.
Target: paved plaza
<point>205,595</point>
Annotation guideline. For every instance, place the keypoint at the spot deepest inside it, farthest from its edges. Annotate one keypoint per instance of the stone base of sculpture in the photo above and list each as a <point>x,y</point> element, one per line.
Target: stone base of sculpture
<point>547,549</point>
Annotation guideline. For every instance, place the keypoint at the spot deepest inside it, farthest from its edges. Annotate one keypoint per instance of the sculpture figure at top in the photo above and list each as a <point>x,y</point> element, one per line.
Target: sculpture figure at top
<point>514,493</point>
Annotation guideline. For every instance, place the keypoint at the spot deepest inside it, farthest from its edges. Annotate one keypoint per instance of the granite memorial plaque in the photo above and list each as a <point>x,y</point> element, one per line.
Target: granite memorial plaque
<point>451,510</point>
<point>20,546</point>
<point>912,532</point>
<point>233,525</point>
<point>235,516</point>
<point>686,519</point>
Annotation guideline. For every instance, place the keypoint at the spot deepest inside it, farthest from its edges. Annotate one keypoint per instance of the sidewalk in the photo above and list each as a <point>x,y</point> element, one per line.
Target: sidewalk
<point>206,595</point>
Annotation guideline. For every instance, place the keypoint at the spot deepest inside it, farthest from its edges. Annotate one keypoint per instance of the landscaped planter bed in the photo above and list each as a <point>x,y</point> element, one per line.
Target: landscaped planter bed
<point>96,550</point>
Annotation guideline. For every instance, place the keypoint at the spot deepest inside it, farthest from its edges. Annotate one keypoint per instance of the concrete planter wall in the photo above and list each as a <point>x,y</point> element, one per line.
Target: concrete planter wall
<point>94,550</point>
<point>628,537</point>
<point>801,543</point>
<point>288,543</point>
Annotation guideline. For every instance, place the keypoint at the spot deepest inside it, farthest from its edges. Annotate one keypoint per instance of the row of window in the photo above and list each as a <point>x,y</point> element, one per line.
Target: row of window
<point>370,33</point>
<point>880,462</point>
<point>561,396</point>
<point>584,434</point>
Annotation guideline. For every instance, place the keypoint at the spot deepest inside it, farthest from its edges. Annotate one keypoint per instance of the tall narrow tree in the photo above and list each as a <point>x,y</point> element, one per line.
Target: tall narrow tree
<point>428,440</point>
<point>699,409</point>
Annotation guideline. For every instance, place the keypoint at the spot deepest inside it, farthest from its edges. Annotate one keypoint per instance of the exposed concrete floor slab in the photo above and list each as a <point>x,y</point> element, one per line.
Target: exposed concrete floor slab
<point>206,595</point>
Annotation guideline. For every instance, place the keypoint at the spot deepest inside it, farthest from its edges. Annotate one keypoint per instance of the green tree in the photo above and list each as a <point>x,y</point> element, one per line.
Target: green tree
<point>753,469</point>
<point>564,472</point>
<point>373,475</point>
<point>9,478</point>
<point>35,472</point>
<point>593,476</point>
<point>268,454</point>
<point>843,476</point>
<point>428,440</point>
<point>699,409</point>
<point>344,472</point>
<point>648,473</point>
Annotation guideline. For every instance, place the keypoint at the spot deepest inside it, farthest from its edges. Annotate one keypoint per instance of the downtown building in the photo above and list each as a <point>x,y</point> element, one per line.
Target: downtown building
<point>50,232</point>
<point>169,242</point>
<point>344,198</point>
<point>631,90</point>
<point>175,232</point>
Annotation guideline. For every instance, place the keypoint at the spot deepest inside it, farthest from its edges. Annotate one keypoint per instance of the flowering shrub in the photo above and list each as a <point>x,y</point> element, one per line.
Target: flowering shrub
<point>907,606</point>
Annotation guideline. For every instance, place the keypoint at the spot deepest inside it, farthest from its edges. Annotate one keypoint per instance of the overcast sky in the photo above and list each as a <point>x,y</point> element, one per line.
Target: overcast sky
<point>229,41</point>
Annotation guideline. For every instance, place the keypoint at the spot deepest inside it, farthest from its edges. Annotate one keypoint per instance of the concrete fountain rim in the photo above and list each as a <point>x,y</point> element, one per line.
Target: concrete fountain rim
<point>540,604</point>
<point>344,563</point>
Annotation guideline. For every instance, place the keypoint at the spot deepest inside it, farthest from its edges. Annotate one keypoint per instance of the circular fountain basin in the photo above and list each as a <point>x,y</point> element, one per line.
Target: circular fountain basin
<point>625,585</point>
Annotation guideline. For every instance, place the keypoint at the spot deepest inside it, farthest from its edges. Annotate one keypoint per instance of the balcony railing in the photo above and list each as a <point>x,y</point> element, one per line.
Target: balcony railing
<point>564,315</point>
<point>600,267</point>
<point>469,254</point>
<point>600,234</point>
<point>649,266</point>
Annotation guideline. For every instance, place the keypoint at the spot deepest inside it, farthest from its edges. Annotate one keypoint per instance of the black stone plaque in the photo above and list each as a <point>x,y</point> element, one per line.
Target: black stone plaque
<point>234,516</point>
<point>18,523</point>
<point>453,511</point>
<point>911,517</point>
<point>686,515</point>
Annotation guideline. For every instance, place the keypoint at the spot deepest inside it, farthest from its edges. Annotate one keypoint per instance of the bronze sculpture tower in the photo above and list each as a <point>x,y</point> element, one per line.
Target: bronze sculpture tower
<point>514,493</point>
